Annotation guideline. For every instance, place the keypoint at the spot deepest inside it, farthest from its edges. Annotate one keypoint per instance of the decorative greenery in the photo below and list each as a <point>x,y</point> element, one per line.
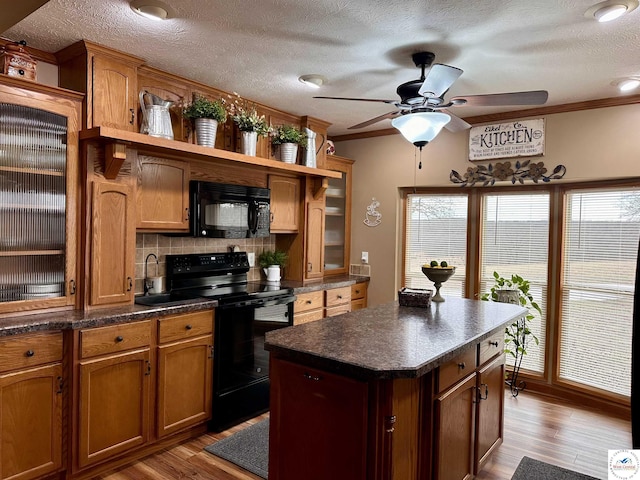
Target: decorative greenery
<point>245,115</point>
<point>272,257</point>
<point>518,334</point>
<point>202,107</point>
<point>488,174</point>
<point>288,134</point>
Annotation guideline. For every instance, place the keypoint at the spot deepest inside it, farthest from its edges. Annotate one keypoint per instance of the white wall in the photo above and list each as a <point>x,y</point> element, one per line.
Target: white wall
<point>592,144</point>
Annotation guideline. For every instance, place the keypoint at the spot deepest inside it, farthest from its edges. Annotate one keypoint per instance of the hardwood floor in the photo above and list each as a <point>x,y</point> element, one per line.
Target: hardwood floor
<point>570,436</point>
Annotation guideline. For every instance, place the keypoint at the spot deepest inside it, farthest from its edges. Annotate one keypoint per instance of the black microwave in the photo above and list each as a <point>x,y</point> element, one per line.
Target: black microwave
<point>228,211</point>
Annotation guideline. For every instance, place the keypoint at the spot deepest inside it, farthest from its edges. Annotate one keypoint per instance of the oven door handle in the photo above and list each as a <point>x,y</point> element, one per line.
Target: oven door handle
<point>261,302</point>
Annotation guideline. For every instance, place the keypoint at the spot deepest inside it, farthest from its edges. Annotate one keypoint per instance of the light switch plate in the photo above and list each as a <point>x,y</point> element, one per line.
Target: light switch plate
<point>252,259</point>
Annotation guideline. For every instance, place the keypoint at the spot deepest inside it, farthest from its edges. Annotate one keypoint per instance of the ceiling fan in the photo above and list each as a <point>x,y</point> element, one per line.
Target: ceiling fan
<point>426,96</point>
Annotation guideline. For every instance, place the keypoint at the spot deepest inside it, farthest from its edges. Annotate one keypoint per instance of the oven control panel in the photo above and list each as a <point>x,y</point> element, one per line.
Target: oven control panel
<point>207,262</point>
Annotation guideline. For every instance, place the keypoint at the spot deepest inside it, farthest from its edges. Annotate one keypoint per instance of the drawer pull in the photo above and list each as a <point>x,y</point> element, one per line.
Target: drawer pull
<point>29,353</point>
<point>339,297</point>
<point>188,326</point>
<point>462,365</point>
<point>309,302</point>
<point>315,378</point>
<point>494,344</point>
<point>119,338</point>
<point>357,292</point>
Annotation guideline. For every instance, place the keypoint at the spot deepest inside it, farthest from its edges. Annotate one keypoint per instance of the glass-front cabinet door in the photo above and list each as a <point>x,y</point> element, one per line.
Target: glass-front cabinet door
<point>337,234</point>
<point>38,190</point>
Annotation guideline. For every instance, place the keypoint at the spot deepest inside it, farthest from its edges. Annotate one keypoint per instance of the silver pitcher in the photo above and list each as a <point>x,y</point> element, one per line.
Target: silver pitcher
<point>156,120</point>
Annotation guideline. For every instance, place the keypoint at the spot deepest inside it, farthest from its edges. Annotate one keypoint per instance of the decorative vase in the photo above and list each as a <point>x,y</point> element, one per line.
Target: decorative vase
<point>206,129</point>
<point>248,142</point>
<point>288,152</point>
<point>272,273</point>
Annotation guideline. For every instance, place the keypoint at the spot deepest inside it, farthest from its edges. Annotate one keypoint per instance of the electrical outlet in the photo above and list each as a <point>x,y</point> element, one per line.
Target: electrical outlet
<point>365,257</point>
<point>252,259</point>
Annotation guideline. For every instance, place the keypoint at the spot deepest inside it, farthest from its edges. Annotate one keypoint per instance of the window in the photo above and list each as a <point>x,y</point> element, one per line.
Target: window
<point>436,230</point>
<point>600,250</point>
<point>515,240</point>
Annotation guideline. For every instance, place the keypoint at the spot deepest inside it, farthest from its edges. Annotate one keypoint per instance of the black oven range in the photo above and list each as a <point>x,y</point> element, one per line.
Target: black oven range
<point>246,311</point>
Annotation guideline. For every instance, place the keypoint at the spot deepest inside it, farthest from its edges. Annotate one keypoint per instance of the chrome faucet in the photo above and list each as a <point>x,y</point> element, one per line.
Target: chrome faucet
<point>146,276</point>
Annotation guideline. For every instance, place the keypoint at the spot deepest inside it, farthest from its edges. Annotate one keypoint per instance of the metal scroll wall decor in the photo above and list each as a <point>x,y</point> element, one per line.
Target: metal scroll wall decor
<point>502,171</point>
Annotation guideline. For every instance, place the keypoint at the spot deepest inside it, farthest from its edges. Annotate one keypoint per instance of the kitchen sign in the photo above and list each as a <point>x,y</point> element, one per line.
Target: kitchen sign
<point>521,138</point>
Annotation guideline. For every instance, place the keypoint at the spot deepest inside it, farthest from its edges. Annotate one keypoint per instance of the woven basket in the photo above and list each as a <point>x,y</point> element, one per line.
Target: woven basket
<point>414,297</point>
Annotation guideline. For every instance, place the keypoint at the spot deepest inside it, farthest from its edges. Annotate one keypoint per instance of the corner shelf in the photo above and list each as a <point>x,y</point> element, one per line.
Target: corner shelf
<point>120,139</point>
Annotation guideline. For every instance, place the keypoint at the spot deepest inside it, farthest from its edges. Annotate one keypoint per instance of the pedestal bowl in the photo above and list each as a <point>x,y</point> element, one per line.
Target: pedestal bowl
<point>438,275</point>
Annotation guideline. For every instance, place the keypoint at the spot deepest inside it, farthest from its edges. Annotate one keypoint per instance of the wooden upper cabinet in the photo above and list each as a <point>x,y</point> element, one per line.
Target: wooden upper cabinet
<point>162,194</point>
<point>285,204</point>
<point>114,95</point>
<point>337,234</point>
<point>112,243</point>
<point>109,80</point>
<point>167,87</point>
<point>314,240</point>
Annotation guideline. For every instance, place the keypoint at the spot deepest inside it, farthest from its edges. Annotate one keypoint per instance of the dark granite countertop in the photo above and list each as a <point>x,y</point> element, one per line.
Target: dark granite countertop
<point>389,341</point>
<point>75,319</point>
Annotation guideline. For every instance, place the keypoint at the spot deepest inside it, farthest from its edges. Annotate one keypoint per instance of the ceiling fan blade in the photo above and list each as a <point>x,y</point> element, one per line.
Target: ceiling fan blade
<point>534,97</point>
<point>456,124</point>
<point>361,99</point>
<point>439,80</point>
<point>375,120</point>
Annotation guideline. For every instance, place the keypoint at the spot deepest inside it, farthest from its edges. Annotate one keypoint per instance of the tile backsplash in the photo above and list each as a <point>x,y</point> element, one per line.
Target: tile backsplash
<point>163,245</point>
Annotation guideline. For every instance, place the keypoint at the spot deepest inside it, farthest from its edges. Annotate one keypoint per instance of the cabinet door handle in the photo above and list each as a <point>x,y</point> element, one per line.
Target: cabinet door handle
<point>186,214</point>
<point>133,116</point>
<point>21,72</point>
<point>309,266</point>
<point>72,287</point>
<point>389,423</point>
<point>210,351</point>
<point>486,391</point>
<point>271,217</point>
<point>462,365</point>
<point>148,372</point>
<point>60,385</point>
<point>495,344</point>
<point>130,287</point>
<point>315,378</point>
<point>29,353</point>
<point>188,326</point>
<point>119,338</point>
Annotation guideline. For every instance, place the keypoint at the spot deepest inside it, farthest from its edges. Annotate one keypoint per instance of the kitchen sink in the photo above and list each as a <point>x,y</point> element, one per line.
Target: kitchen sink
<point>163,299</point>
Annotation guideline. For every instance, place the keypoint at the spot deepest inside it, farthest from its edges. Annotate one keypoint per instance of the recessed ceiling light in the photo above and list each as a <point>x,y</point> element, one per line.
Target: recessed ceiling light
<point>627,84</point>
<point>610,9</point>
<point>314,81</point>
<point>152,9</point>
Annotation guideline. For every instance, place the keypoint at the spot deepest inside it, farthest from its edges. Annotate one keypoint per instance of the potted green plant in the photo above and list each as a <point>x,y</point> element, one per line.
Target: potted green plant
<point>251,125</point>
<point>517,335</point>
<point>205,115</point>
<point>271,262</point>
<point>288,138</point>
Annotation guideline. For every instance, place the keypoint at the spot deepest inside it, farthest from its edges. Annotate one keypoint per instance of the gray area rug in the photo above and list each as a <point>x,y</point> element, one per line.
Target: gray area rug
<point>248,448</point>
<point>530,469</point>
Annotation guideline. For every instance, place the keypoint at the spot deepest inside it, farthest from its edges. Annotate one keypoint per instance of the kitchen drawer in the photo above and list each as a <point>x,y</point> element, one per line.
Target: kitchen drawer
<point>358,304</point>
<point>337,310</point>
<point>456,369</point>
<point>490,347</point>
<point>358,290</point>
<point>23,351</point>
<point>114,338</point>
<point>308,301</point>
<point>305,317</point>
<point>337,296</point>
<point>171,329</point>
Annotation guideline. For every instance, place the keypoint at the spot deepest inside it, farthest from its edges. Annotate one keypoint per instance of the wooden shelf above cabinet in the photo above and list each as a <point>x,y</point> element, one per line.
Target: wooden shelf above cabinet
<point>191,152</point>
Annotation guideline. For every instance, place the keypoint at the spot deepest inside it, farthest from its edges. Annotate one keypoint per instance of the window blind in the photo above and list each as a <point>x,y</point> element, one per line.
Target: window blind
<point>600,251</point>
<point>515,240</point>
<point>436,229</point>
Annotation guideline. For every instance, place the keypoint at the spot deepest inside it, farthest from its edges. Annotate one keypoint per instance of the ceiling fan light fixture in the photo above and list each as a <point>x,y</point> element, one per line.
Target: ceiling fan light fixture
<point>313,81</point>
<point>152,9</point>
<point>420,128</point>
<point>610,10</point>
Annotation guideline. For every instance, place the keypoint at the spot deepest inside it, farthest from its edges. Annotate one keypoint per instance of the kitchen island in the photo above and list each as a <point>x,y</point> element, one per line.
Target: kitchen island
<point>389,392</point>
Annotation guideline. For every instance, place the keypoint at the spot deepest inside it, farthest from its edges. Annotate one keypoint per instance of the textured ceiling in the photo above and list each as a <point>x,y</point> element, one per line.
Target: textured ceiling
<point>259,48</point>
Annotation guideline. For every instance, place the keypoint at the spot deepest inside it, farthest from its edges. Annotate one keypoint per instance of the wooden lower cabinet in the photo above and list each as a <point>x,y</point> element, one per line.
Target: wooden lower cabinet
<point>490,411</point>
<point>185,371</point>
<point>454,428</point>
<point>114,405</point>
<point>359,296</point>
<point>31,422</point>
<point>314,451</point>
